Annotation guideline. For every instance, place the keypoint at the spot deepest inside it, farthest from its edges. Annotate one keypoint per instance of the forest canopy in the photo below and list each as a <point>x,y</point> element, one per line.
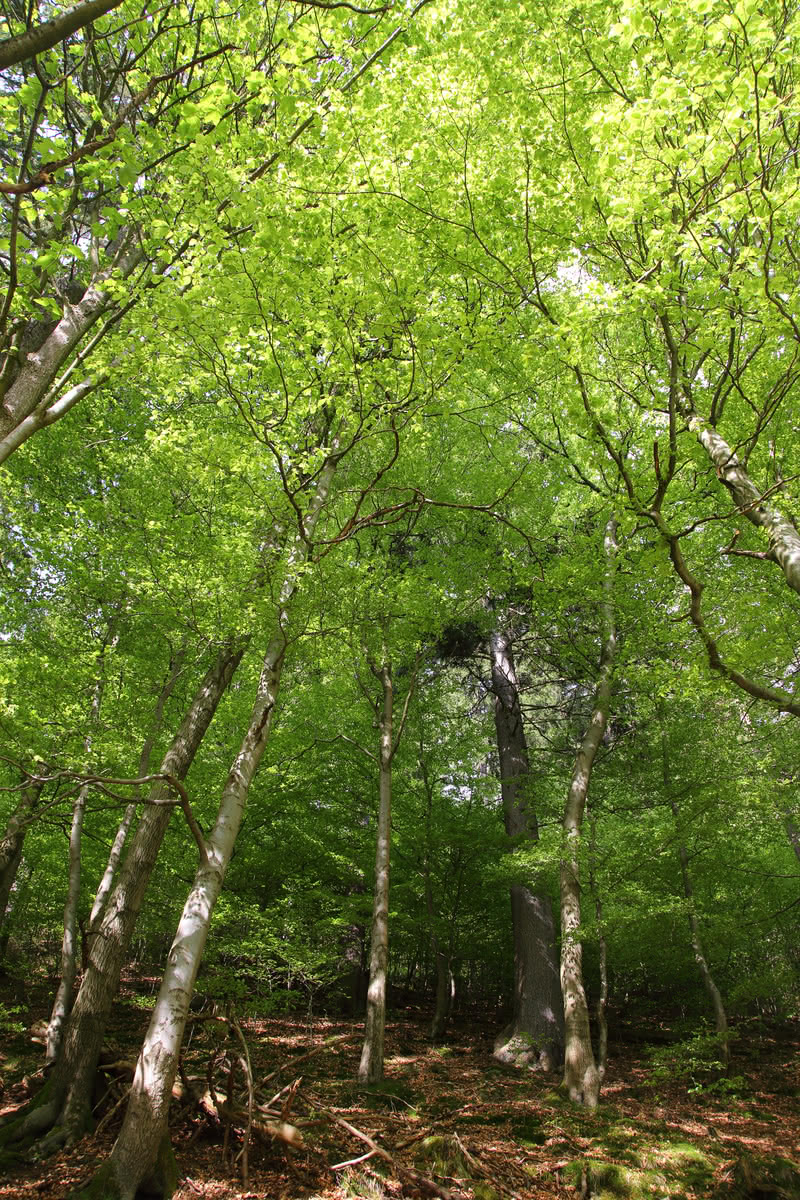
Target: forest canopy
<point>400,448</point>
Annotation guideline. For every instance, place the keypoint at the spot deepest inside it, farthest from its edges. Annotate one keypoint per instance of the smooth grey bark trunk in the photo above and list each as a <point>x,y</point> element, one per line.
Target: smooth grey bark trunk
<point>35,398</point>
<point>69,944</point>
<point>13,841</point>
<point>121,836</point>
<point>370,1068</point>
<point>700,956</point>
<point>141,1156</point>
<point>783,538</point>
<point>535,1036</point>
<point>602,949</point>
<point>72,1080</point>
<point>445,994</point>
<point>581,1077</point>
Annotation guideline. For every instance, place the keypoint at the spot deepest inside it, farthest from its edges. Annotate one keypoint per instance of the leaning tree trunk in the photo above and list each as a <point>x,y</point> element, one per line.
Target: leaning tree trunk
<point>535,1036</point>
<point>142,1155</point>
<point>370,1068</point>
<point>121,836</point>
<point>782,536</point>
<point>35,397</point>
<point>62,1004</point>
<point>581,1077</point>
<point>67,1102</point>
<point>13,840</point>
<point>700,957</point>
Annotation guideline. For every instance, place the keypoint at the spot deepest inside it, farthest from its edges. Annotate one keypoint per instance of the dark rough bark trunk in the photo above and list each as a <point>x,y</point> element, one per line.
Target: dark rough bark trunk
<point>535,1036</point>
<point>581,1077</point>
<point>13,841</point>
<point>72,1080</point>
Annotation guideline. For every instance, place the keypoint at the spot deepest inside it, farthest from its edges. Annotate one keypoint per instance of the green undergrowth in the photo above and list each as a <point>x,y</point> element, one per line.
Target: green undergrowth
<point>666,1169</point>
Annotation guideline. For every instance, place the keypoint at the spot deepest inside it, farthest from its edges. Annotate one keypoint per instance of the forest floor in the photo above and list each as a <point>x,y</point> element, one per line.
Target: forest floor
<point>446,1118</point>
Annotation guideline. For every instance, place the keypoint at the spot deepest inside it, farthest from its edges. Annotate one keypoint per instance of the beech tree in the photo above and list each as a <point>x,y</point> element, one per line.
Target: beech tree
<point>347,334</point>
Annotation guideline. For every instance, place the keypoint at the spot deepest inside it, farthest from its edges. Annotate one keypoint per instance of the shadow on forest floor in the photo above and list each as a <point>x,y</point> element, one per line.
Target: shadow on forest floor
<point>449,1115</point>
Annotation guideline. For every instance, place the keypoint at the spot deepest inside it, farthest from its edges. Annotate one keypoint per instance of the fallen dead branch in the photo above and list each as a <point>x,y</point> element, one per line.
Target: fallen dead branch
<point>421,1182</point>
<point>342,1037</point>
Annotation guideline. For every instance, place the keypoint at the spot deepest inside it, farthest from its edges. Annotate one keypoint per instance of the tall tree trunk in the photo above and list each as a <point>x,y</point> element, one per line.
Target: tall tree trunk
<point>700,957</point>
<point>581,1078</point>
<point>118,845</point>
<point>445,992</point>
<point>142,1155</point>
<point>602,949</point>
<point>70,1088</point>
<point>370,1068</point>
<point>69,944</point>
<point>62,1004</point>
<point>13,840</point>
<point>536,1033</point>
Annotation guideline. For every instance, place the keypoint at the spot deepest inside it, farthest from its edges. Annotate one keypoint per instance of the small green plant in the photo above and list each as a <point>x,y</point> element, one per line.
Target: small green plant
<point>697,1059</point>
<point>357,1185</point>
<point>8,1022</point>
<point>726,1085</point>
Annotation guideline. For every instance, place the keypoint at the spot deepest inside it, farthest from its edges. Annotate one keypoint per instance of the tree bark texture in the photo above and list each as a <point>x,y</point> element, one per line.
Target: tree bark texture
<point>536,1034</point>
<point>782,537</point>
<point>41,37</point>
<point>140,1155</point>
<point>370,1068</point>
<point>581,1077</point>
<point>13,841</point>
<point>72,1080</point>
<point>34,391</point>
